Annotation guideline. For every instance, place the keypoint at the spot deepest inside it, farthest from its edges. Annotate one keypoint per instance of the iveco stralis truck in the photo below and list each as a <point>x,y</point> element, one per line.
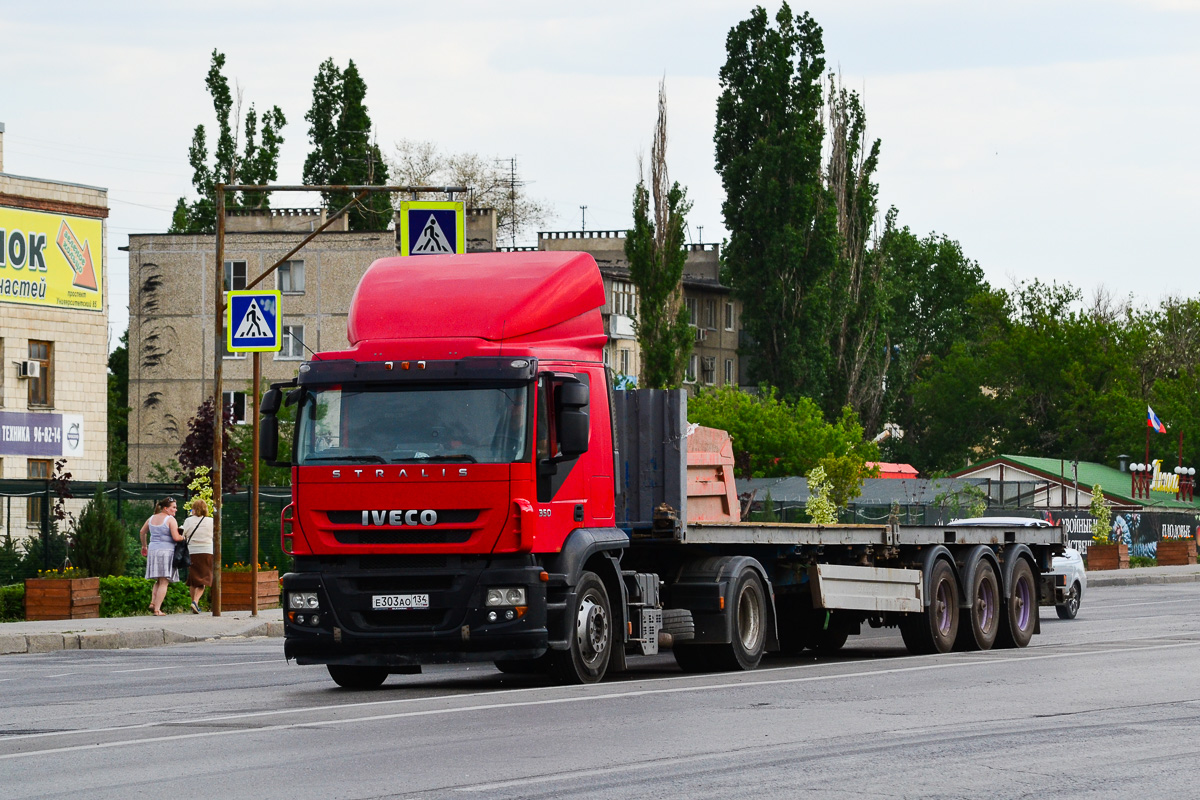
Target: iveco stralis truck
<point>467,486</point>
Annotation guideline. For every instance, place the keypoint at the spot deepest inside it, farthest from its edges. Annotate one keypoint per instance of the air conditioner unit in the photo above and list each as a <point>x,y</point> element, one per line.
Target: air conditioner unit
<point>29,369</point>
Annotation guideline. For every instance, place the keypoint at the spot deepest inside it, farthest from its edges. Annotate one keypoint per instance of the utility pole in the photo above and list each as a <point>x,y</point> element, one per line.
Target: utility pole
<point>701,229</point>
<point>583,220</point>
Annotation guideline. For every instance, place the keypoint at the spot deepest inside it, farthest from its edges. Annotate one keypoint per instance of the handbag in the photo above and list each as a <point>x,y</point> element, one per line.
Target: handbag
<point>182,558</point>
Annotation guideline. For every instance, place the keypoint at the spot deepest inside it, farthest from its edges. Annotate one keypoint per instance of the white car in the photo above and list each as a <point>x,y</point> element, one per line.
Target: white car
<point>1070,579</point>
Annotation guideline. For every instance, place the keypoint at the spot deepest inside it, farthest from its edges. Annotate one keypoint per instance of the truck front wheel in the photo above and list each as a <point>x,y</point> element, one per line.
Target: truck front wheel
<point>351,677</point>
<point>586,660</point>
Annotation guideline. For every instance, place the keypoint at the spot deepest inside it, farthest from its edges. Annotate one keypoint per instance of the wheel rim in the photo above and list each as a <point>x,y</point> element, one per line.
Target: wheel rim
<point>1021,598</point>
<point>591,629</point>
<point>943,608</point>
<point>1073,600</point>
<point>750,624</point>
<point>985,606</point>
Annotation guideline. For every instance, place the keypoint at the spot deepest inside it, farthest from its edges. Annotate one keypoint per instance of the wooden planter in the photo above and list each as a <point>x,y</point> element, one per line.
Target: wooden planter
<point>62,598</point>
<point>235,590</point>
<point>1176,552</point>
<point>1107,556</point>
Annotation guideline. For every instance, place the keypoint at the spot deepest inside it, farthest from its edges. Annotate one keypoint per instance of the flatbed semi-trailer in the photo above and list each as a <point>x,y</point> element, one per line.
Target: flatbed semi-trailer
<point>467,486</point>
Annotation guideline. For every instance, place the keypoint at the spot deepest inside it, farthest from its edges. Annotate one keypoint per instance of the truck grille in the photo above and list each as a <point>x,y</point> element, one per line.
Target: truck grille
<point>402,536</point>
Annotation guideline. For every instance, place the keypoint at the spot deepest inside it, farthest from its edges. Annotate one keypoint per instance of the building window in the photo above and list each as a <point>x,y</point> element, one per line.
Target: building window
<point>729,372</point>
<point>709,365</point>
<point>693,314</point>
<point>692,370</point>
<point>624,299</point>
<point>237,402</point>
<point>38,469</point>
<point>293,342</point>
<point>291,277</point>
<point>624,353</point>
<point>40,393</point>
<point>729,316</point>
<point>710,314</point>
<point>235,275</point>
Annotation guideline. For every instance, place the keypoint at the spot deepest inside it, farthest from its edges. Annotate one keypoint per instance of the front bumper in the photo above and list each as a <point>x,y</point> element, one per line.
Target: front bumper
<point>454,628</point>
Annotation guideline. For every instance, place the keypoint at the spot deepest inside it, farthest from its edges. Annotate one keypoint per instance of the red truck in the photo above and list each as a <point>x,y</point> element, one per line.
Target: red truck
<point>467,486</point>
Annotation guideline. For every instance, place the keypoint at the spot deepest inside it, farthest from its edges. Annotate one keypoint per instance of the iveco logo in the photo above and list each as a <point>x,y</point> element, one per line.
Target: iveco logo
<point>426,517</point>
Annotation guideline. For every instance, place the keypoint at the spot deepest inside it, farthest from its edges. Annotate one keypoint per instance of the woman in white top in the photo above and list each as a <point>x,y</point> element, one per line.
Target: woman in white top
<point>198,530</point>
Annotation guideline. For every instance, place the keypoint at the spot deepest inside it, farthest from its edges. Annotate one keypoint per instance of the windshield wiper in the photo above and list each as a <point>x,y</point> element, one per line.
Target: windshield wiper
<point>366,459</point>
<point>452,457</point>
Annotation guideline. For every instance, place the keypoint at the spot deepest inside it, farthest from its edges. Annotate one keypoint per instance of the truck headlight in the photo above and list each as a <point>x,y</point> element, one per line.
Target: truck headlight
<point>508,596</point>
<point>303,600</point>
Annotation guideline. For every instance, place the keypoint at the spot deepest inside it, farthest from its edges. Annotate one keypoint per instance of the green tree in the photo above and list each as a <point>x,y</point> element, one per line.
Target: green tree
<point>343,152</point>
<point>257,165</point>
<point>784,242</point>
<point>99,542</point>
<point>118,411</point>
<point>656,253</point>
<point>820,507</point>
<point>777,438</point>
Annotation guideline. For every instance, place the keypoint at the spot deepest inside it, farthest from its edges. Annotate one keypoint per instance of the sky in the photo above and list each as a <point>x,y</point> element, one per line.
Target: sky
<point>1054,140</point>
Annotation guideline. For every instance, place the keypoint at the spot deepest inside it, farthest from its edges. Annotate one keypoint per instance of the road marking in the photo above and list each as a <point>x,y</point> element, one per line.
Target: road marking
<point>1107,606</point>
<point>60,675</point>
<point>200,666</point>
<point>626,695</point>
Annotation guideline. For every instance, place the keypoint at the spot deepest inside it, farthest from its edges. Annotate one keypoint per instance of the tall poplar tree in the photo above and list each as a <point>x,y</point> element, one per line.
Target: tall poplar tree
<point>654,247</point>
<point>257,165</point>
<point>783,243</point>
<point>343,152</point>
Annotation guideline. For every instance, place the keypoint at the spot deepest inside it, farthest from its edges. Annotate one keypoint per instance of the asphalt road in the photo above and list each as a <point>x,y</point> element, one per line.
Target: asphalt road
<point>1106,705</point>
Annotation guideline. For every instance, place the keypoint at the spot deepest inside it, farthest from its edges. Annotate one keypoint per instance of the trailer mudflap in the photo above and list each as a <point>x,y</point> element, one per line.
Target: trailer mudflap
<point>865,588</point>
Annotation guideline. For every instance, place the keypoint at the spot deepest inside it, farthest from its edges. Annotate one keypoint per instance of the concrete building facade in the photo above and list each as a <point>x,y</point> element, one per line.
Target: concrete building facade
<point>53,334</point>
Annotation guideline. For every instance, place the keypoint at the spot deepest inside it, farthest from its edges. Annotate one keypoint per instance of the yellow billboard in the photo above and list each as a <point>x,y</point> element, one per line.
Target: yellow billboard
<point>51,260</point>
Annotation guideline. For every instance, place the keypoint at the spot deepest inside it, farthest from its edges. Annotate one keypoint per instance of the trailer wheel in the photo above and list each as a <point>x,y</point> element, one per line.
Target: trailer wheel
<point>1020,612</point>
<point>354,677</point>
<point>748,633</point>
<point>1070,608</point>
<point>934,629</point>
<point>586,660</point>
<point>980,625</point>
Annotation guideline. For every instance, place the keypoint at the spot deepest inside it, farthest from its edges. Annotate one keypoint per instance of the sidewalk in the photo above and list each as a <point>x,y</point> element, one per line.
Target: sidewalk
<point>130,632</point>
<point>1141,576</point>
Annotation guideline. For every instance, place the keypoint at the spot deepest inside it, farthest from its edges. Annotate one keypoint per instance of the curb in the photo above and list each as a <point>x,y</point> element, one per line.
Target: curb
<point>1099,579</point>
<point>19,643</point>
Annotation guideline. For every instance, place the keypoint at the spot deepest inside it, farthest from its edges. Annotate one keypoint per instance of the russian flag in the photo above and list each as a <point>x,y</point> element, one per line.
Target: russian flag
<point>1152,421</point>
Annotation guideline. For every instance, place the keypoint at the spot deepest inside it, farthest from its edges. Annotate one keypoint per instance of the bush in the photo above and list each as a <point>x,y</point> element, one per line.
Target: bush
<point>12,603</point>
<point>128,597</point>
<point>10,561</point>
<point>33,559</point>
<point>101,545</point>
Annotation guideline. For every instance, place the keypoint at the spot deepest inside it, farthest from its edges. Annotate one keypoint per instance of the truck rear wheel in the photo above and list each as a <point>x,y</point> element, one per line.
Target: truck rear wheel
<point>935,629</point>
<point>1021,609</point>
<point>591,637</point>
<point>748,633</point>
<point>980,625</point>
<point>353,677</point>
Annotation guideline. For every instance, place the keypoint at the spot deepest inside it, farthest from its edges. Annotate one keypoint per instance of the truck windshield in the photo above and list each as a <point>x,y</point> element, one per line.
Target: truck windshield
<point>391,424</point>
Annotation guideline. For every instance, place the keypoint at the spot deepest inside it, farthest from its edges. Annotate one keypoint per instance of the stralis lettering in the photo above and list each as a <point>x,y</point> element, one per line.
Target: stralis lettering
<point>398,517</point>
<point>425,472</point>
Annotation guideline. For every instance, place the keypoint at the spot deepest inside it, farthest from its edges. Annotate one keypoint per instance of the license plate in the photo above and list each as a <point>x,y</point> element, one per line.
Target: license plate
<point>399,602</point>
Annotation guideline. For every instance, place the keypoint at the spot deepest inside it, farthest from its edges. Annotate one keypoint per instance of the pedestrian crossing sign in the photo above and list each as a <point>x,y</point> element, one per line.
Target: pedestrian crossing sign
<point>252,321</point>
<point>430,228</point>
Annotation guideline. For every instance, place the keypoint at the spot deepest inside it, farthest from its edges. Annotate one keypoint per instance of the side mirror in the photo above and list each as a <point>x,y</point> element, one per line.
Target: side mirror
<point>268,439</point>
<point>270,402</point>
<point>571,413</point>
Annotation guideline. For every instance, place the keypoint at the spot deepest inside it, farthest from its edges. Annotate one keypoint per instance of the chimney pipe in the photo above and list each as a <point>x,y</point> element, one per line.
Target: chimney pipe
<point>1123,463</point>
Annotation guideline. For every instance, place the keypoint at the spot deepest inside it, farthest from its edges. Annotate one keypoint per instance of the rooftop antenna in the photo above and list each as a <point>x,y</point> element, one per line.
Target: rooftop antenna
<point>583,220</point>
<point>701,229</point>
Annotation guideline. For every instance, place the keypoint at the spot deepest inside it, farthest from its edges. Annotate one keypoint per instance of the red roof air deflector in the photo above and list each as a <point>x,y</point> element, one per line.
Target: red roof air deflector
<point>490,296</point>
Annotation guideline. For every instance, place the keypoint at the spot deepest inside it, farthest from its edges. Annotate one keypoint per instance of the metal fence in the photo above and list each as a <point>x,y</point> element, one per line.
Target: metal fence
<point>133,503</point>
